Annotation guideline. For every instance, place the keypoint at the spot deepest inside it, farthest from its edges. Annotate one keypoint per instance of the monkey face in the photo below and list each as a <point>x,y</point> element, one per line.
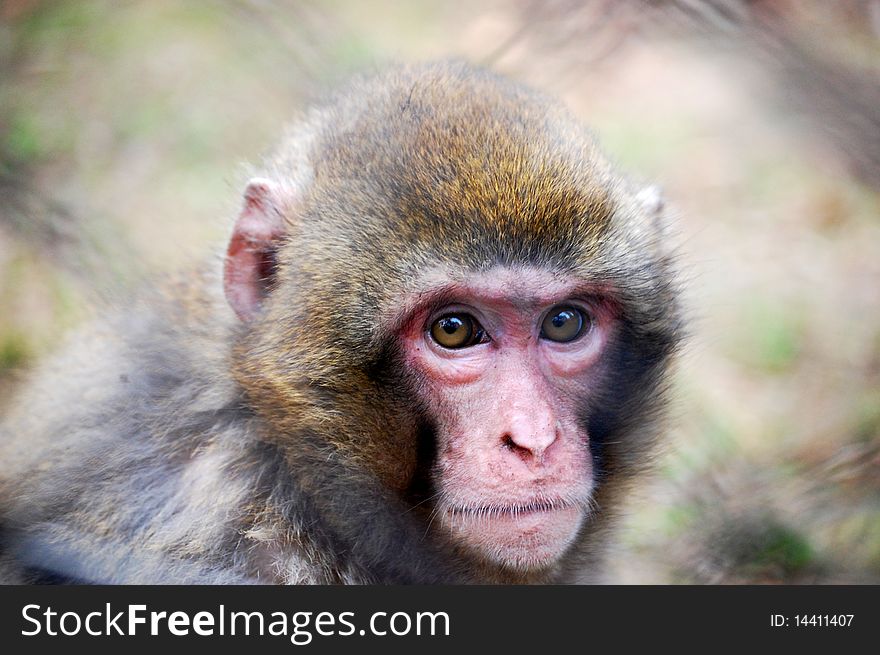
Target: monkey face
<point>453,305</point>
<point>505,364</point>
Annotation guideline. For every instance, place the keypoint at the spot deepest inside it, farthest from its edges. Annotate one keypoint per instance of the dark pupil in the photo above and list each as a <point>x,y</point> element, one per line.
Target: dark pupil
<point>563,326</point>
<point>562,318</point>
<point>451,325</point>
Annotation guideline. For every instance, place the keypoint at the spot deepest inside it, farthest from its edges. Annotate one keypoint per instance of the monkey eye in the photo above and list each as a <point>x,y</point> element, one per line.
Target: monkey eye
<point>458,331</point>
<point>564,323</point>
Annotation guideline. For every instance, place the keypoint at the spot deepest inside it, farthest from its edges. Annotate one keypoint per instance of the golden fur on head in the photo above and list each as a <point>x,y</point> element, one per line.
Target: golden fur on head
<point>173,443</point>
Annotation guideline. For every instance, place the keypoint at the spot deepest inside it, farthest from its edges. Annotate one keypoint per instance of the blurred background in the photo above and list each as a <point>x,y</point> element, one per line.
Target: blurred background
<point>125,128</point>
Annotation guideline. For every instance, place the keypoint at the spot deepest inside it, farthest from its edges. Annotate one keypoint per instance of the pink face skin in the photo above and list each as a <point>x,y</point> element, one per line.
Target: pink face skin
<point>513,469</point>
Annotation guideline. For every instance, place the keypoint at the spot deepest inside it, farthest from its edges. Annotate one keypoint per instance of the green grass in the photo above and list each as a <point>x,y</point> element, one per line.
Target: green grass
<point>23,143</point>
<point>770,335</point>
<point>15,351</point>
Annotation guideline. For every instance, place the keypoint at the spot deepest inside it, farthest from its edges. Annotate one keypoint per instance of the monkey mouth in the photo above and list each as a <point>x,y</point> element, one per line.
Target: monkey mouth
<point>510,511</point>
<point>527,535</point>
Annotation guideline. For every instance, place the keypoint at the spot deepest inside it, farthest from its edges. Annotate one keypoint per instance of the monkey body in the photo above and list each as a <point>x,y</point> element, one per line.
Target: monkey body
<point>380,387</point>
<point>148,415</point>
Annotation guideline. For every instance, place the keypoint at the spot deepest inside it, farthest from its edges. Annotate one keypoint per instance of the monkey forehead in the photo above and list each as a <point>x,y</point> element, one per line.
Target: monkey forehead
<point>443,151</point>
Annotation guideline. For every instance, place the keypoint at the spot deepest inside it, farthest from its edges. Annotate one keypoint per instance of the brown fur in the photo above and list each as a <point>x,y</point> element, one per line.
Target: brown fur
<point>173,443</point>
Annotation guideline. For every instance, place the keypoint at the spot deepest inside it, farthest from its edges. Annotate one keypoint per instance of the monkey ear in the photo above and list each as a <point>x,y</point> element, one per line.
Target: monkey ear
<point>249,269</point>
<point>651,200</point>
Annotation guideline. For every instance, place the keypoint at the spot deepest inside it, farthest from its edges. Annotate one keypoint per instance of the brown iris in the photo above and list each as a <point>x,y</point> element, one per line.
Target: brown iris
<point>564,323</point>
<point>457,331</point>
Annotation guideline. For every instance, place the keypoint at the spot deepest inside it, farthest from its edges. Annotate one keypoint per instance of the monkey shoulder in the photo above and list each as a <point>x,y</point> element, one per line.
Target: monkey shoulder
<point>130,456</point>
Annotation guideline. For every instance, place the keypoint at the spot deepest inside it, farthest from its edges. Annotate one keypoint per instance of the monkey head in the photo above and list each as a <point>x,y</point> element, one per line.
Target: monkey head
<point>446,290</point>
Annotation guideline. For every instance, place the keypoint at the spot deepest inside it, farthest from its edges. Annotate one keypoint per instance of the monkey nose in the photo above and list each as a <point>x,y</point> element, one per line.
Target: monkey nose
<point>530,440</point>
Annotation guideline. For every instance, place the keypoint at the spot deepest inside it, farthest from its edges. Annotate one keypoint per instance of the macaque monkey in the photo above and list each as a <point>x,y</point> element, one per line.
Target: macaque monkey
<point>435,352</point>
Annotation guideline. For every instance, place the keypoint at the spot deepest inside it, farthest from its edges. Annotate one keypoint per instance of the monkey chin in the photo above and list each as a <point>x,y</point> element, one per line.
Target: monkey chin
<point>522,538</point>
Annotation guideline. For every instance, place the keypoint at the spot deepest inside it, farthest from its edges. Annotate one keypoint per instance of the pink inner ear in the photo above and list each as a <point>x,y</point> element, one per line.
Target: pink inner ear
<point>250,257</point>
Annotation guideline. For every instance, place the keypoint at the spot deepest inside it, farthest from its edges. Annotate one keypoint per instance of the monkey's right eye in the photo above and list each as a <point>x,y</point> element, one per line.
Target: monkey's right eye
<point>457,331</point>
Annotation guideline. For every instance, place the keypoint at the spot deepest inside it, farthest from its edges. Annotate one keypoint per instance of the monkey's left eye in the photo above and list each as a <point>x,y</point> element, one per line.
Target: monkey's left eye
<point>563,324</point>
<point>457,331</point>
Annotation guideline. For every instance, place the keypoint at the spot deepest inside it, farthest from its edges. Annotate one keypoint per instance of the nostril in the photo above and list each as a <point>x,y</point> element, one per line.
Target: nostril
<point>524,453</point>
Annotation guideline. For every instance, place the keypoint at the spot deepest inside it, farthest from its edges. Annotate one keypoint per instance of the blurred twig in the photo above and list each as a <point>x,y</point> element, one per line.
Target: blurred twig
<point>838,95</point>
